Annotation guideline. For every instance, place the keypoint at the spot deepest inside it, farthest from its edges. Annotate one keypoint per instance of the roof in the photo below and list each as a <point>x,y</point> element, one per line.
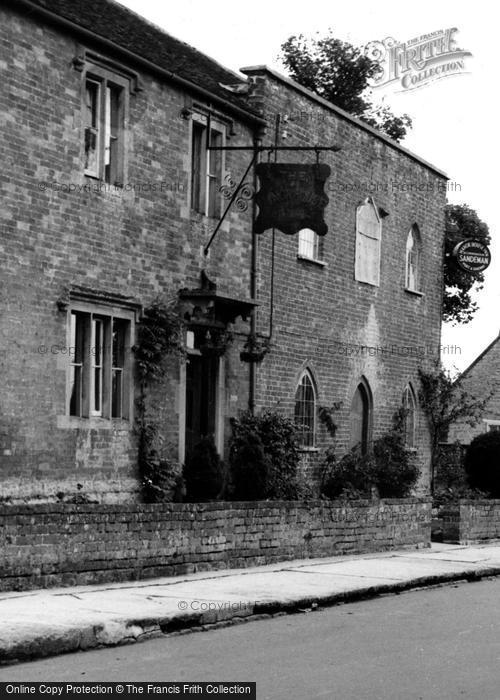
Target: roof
<point>112,23</point>
<point>479,357</point>
<point>256,70</point>
<point>115,23</point>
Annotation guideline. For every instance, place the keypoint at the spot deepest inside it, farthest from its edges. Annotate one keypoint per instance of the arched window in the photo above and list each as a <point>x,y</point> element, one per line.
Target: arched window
<point>410,418</point>
<point>360,418</point>
<point>368,237</point>
<point>310,244</point>
<point>305,410</point>
<point>413,248</point>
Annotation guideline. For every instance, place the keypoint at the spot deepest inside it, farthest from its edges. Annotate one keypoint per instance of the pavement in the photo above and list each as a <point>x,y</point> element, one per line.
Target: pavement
<point>52,621</point>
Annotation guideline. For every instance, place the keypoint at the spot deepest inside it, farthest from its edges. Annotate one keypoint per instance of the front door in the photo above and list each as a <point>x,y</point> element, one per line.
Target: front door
<point>201,398</point>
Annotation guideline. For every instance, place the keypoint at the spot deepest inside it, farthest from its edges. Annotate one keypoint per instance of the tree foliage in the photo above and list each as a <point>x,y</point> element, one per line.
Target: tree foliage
<point>444,402</point>
<point>461,222</point>
<point>340,73</point>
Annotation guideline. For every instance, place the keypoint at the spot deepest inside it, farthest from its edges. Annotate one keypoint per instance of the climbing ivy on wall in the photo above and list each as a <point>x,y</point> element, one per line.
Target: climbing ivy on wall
<point>160,333</point>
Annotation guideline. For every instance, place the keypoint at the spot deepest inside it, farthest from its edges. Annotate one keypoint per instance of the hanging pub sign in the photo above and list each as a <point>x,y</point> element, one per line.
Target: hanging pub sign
<point>291,197</point>
<point>472,255</point>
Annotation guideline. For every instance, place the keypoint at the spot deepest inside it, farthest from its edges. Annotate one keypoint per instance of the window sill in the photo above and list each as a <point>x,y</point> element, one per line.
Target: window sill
<point>313,261</point>
<point>201,215</point>
<point>414,292</point>
<point>98,178</point>
<point>309,449</point>
<point>411,450</point>
<point>96,184</point>
<point>93,423</point>
<point>368,284</point>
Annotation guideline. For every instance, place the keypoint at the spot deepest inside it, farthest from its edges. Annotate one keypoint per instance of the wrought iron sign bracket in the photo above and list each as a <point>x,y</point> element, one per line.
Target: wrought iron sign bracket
<point>233,197</point>
<point>256,151</point>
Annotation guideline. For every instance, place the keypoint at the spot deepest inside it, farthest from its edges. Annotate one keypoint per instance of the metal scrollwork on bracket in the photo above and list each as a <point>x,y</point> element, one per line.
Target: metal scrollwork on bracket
<point>245,192</point>
<point>228,188</point>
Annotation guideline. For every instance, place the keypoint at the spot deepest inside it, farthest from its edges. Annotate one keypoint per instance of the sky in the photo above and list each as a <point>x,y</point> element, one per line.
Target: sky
<point>454,118</point>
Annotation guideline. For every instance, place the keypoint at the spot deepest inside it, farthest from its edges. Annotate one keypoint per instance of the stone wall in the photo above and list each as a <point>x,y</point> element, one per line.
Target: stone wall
<point>63,544</point>
<point>470,521</point>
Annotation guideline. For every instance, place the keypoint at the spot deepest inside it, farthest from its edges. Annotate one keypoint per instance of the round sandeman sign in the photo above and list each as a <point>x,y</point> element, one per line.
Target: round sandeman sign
<point>472,255</point>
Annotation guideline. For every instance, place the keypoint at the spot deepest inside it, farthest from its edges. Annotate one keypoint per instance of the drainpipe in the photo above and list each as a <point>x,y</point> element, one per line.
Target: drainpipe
<point>273,241</point>
<point>253,287</point>
<point>253,274</point>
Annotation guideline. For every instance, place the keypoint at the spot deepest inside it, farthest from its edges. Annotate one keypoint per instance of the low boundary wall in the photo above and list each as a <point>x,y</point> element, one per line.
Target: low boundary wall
<point>64,544</point>
<point>471,521</point>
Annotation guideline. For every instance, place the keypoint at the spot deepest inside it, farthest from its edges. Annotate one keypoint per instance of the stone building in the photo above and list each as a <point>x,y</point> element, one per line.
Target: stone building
<point>482,380</point>
<point>109,197</point>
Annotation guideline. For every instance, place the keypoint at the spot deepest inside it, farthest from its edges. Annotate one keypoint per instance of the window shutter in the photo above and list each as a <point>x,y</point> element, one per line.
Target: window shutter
<point>368,233</point>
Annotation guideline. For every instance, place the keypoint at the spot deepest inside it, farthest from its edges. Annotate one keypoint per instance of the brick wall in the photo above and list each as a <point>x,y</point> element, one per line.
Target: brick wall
<point>469,521</point>
<point>139,243</point>
<point>145,241</point>
<point>323,318</point>
<point>52,545</point>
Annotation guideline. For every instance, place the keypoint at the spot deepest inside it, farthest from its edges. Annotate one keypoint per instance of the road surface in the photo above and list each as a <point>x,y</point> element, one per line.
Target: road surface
<point>436,644</point>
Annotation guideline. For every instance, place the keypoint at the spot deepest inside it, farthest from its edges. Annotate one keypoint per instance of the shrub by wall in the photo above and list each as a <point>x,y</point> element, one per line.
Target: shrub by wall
<point>275,457</point>
<point>203,473</point>
<point>390,468</point>
<point>481,463</point>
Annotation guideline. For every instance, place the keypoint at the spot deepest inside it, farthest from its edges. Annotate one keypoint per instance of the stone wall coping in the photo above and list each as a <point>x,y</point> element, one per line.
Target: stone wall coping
<point>32,509</point>
<point>479,501</point>
<point>454,505</point>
